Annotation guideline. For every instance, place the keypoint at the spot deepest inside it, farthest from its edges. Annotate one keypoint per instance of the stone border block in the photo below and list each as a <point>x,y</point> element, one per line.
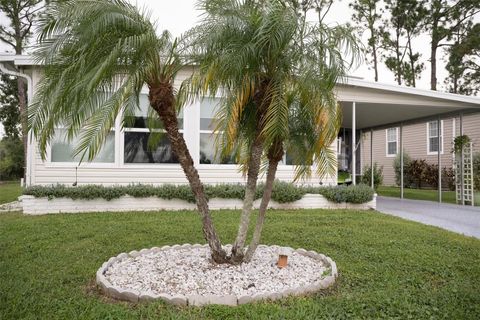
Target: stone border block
<point>178,300</point>
<point>199,300</point>
<point>134,253</point>
<point>148,296</point>
<point>122,256</point>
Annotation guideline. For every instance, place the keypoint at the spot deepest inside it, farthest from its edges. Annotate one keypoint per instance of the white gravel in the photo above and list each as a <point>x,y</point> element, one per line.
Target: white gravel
<point>188,271</point>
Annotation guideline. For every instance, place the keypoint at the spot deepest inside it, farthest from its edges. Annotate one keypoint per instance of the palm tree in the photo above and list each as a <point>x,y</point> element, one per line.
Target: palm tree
<point>98,54</point>
<point>275,69</point>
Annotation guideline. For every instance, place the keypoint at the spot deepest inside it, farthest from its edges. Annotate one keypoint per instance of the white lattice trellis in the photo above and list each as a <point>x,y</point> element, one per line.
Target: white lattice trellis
<point>464,176</point>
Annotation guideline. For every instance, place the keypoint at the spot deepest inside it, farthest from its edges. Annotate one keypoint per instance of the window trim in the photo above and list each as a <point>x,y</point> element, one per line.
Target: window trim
<point>388,155</point>
<point>441,144</point>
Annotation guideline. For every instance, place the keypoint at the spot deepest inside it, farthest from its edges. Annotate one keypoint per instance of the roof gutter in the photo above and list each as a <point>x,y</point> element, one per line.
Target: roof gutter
<point>29,160</point>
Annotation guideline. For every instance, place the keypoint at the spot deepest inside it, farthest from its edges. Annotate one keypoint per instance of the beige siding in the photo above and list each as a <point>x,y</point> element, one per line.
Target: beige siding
<point>414,143</point>
<point>471,127</point>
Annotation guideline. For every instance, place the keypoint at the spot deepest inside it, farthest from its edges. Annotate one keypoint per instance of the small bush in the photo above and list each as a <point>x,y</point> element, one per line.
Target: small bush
<point>416,171</point>
<point>283,192</point>
<point>407,179</point>
<point>339,194</point>
<point>377,175</point>
<point>448,178</point>
<point>476,170</point>
<point>431,176</point>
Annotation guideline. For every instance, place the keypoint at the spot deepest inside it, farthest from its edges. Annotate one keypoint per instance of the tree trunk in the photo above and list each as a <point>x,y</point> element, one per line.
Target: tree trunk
<point>22,105</point>
<point>162,100</point>
<point>375,62</point>
<point>275,155</point>
<point>433,64</point>
<point>412,62</point>
<point>399,62</point>
<point>373,40</point>
<point>250,190</point>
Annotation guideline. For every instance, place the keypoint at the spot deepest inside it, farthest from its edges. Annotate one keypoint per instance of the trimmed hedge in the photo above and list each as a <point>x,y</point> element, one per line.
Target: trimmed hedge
<point>283,192</point>
<point>351,194</point>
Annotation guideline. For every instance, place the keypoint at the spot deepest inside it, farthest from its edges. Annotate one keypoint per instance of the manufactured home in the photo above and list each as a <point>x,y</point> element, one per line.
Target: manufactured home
<point>367,108</point>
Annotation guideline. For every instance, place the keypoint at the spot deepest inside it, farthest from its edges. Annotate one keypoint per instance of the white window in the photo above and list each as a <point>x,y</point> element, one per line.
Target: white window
<point>136,139</point>
<point>433,144</point>
<point>392,141</point>
<point>208,151</point>
<point>62,150</point>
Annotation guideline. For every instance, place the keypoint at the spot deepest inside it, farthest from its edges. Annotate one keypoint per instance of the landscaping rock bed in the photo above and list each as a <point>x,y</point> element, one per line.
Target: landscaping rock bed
<point>184,275</point>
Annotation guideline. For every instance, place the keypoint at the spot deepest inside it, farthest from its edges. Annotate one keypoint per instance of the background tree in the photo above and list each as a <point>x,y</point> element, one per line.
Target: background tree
<point>443,19</point>
<point>9,111</point>
<point>463,63</point>
<point>398,32</point>
<point>367,15</point>
<point>415,13</point>
<point>393,31</point>
<point>98,55</point>
<point>15,31</point>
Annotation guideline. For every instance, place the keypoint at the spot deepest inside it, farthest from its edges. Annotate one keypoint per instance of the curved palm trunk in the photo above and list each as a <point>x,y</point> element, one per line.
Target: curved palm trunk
<point>275,155</point>
<point>162,100</point>
<point>250,190</point>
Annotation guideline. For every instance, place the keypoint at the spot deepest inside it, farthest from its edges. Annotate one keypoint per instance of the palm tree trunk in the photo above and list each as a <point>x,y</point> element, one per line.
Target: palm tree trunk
<point>250,190</point>
<point>162,100</point>
<point>275,154</point>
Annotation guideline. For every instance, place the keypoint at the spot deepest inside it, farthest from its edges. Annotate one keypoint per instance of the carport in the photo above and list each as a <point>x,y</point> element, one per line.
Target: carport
<point>369,106</point>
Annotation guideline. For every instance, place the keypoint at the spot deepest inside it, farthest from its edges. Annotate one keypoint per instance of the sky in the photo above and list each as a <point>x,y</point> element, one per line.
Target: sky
<point>178,16</point>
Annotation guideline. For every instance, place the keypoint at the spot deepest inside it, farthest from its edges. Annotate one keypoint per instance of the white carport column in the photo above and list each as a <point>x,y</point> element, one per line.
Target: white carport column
<point>440,145</point>
<point>462,179</point>
<point>372,182</point>
<point>401,160</point>
<point>354,145</point>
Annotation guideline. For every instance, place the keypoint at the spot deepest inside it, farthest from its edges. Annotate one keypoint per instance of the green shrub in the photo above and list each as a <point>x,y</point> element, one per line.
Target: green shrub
<point>377,175</point>
<point>431,176</point>
<point>283,192</point>
<point>407,179</point>
<point>476,170</point>
<point>417,172</point>
<point>339,194</point>
<point>11,158</point>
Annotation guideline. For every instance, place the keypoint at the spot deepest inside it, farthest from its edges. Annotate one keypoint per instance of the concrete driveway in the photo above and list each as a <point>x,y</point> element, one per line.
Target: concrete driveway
<point>460,219</point>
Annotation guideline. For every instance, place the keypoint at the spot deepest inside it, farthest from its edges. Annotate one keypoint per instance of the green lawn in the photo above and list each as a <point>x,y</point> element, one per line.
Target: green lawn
<point>389,267</point>
<point>9,191</point>
<point>422,194</point>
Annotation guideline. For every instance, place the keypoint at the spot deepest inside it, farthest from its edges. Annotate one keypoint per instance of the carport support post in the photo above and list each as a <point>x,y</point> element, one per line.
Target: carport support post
<point>354,145</point>
<point>371,160</point>
<point>439,131</point>
<point>401,160</point>
<point>462,181</point>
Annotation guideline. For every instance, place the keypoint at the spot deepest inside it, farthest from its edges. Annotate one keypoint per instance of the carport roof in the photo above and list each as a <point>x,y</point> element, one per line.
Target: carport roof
<point>383,105</point>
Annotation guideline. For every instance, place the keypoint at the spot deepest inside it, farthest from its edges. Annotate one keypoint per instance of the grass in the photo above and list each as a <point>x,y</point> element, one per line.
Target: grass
<point>9,191</point>
<point>389,267</point>
<point>422,194</point>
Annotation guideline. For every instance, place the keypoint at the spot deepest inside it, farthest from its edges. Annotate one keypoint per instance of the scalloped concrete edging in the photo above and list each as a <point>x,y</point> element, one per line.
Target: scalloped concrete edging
<point>201,300</point>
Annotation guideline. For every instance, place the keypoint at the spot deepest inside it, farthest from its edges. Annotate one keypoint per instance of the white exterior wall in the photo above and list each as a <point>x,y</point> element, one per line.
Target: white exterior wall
<point>119,173</point>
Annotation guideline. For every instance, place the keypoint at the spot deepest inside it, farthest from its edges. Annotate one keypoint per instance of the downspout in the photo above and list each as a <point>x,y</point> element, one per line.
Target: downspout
<point>29,79</point>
